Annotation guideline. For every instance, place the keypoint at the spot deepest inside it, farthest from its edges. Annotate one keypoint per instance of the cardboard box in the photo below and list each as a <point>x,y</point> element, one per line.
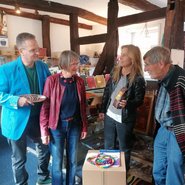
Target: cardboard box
<point>93,175</point>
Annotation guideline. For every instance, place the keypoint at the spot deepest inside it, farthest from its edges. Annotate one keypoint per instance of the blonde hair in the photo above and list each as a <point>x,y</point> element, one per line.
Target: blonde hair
<point>135,55</point>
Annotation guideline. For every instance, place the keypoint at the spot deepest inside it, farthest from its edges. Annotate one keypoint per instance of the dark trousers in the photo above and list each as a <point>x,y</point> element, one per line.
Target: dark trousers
<point>19,153</point>
<point>121,132</point>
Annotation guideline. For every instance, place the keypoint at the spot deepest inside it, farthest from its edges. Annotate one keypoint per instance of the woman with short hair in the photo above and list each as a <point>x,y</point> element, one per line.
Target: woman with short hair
<point>63,116</point>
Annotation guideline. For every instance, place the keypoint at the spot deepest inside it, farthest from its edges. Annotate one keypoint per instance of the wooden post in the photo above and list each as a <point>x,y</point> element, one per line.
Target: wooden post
<point>74,33</point>
<point>109,54</point>
<point>46,34</point>
<point>174,25</point>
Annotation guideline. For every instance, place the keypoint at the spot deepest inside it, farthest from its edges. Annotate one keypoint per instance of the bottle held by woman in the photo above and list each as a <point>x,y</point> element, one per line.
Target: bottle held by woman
<point>119,97</point>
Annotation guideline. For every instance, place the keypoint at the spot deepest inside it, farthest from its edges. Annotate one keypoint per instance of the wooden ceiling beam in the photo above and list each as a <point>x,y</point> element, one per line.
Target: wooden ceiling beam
<point>92,39</point>
<point>174,25</point>
<point>23,14</point>
<point>125,21</point>
<point>142,17</point>
<point>40,17</point>
<point>139,4</point>
<point>55,7</point>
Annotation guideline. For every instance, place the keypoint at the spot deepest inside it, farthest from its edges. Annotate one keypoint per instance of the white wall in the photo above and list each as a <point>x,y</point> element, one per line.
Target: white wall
<point>89,49</point>
<point>60,34</point>
<point>17,25</point>
<point>60,38</point>
<point>125,33</point>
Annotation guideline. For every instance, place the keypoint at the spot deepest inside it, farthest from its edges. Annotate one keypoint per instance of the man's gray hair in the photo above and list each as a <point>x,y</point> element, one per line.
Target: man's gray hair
<point>22,37</point>
<point>158,54</point>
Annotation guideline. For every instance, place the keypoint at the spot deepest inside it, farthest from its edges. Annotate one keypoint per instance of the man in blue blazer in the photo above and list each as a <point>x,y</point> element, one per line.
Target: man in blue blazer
<point>20,116</point>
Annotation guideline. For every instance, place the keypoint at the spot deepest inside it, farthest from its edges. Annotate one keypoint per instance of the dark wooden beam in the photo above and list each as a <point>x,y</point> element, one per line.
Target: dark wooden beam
<point>142,17</point>
<point>74,35</point>
<point>22,14</point>
<point>124,21</point>
<point>92,17</point>
<point>109,53</point>
<point>39,17</point>
<point>139,4</point>
<point>46,34</point>
<point>174,25</point>
<point>66,22</point>
<point>55,7</point>
<point>92,39</point>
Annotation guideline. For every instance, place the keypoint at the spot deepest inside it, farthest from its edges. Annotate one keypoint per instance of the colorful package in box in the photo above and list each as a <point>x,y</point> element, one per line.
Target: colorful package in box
<point>92,174</point>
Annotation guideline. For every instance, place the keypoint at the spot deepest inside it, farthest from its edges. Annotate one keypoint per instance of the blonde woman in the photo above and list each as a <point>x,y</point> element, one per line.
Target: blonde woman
<point>119,120</point>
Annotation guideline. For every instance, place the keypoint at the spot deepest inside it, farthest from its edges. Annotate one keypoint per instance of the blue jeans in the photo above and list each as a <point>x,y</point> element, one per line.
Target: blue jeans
<point>123,132</point>
<point>67,134</point>
<point>168,166</point>
<point>19,154</point>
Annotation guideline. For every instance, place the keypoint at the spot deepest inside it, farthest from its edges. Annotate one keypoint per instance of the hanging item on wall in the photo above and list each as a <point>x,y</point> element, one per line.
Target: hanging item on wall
<point>3,41</point>
<point>3,30</point>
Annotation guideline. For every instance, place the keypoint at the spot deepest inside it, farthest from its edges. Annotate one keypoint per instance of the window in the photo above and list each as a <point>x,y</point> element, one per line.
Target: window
<point>145,36</point>
<point>146,39</point>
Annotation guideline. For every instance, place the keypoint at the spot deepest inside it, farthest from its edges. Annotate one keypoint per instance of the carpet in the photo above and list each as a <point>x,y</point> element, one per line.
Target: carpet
<point>6,176</point>
<point>132,180</point>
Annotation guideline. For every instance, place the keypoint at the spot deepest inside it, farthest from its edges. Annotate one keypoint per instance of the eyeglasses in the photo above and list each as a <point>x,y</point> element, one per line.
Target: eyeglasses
<point>146,64</point>
<point>32,51</point>
<point>75,64</point>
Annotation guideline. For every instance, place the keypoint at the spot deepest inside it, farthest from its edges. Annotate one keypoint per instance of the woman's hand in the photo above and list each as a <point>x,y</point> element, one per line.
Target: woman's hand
<point>101,116</point>
<point>123,103</point>
<point>83,135</point>
<point>45,140</point>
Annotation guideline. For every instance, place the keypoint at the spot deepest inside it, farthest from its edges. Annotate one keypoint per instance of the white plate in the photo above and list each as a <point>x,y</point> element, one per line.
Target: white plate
<point>34,97</point>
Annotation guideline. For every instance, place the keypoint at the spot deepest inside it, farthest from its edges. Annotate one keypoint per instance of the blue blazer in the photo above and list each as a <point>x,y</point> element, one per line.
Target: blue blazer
<point>13,83</point>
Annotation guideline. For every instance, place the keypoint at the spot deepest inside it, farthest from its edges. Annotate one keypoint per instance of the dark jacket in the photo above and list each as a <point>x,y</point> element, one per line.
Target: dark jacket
<point>174,83</point>
<point>135,96</point>
<point>50,110</point>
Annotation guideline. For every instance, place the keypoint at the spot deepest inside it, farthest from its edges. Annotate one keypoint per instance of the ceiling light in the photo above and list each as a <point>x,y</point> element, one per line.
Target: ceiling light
<point>36,12</point>
<point>145,31</point>
<point>17,9</point>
